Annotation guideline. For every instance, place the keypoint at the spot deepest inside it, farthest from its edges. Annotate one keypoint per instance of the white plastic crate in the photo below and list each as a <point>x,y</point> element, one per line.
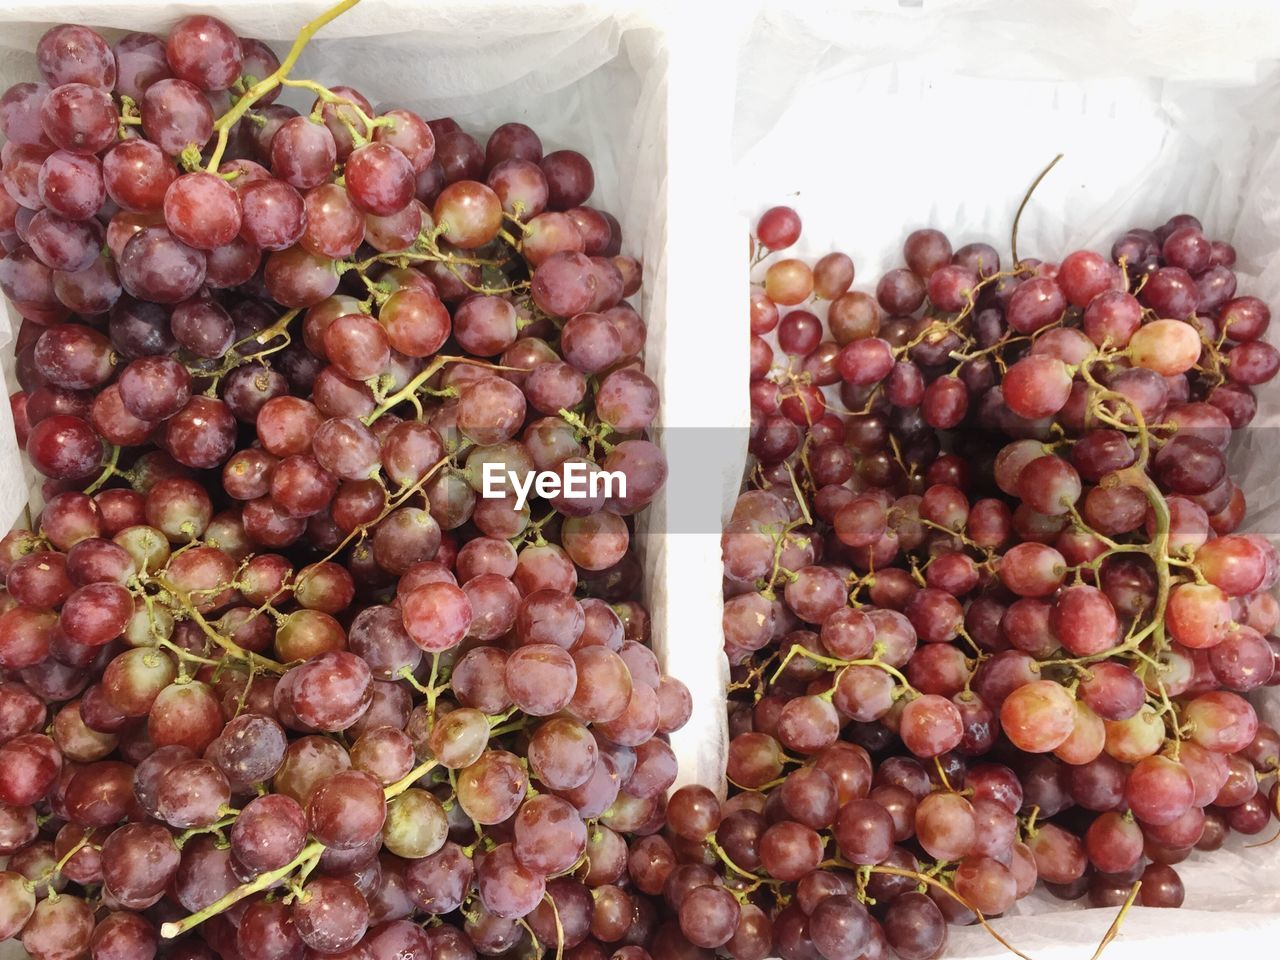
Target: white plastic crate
<point>596,77</point>
<point>878,118</point>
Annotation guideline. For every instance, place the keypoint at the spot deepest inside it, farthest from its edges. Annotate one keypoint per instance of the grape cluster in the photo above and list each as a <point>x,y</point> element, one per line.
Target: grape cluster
<point>280,676</point>
<point>988,615</point>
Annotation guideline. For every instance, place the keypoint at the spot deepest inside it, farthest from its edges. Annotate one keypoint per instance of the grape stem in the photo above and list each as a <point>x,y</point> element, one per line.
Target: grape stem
<point>215,827</point>
<point>185,655</point>
<point>1114,930</point>
<point>379,293</point>
<point>837,664</point>
<point>1029,825</point>
<point>234,359</point>
<point>946,888</point>
<point>555,912</point>
<point>760,789</point>
<point>728,862</point>
<point>406,674</point>
<point>925,878</point>
<point>508,728</point>
<point>310,854</point>
<point>779,542</point>
<point>425,248</point>
<point>108,471</point>
<point>393,501</point>
<point>261,882</point>
<point>412,387</point>
<point>596,435</point>
<point>409,779</point>
<point>328,96</point>
<point>432,690</point>
<point>278,329</point>
<point>56,869</point>
<point>1026,198</point>
<point>1158,549</point>
<point>753,676</point>
<point>759,253</point>
<point>264,86</point>
<point>1275,807</point>
<point>942,775</point>
<point>520,287</point>
<point>226,643</point>
<point>795,486</point>
<point>536,943</point>
<point>1000,344</point>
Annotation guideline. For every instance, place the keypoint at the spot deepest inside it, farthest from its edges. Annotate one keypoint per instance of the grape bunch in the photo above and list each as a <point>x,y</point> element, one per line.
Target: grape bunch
<point>282,674</point>
<point>990,617</point>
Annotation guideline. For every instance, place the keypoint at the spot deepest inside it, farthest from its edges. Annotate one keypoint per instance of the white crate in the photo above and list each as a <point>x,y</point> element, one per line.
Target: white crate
<point>881,116</point>
<point>595,77</point>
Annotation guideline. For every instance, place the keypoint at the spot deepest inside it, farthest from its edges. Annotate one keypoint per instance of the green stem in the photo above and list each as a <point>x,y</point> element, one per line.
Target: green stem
<point>215,827</point>
<point>226,643</point>
<point>57,868</point>
<point>305,860</point>
<point>262,882</point>
<point>432,690</point>
<point>328,96</point>
<point>1158,549</point>
<point>409,779</point>
<point>183,654</point>
<point>555,912</point>
<point>946,888</point>
<point>728,862</point>
<point>108,470</point>
<point>414,385</point>
<point>837,664</point>
<point>267,84</point>
<point>1114,929</point>
<point>406,674</point>
<point>507,728</point>
<point>1026,198</point>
